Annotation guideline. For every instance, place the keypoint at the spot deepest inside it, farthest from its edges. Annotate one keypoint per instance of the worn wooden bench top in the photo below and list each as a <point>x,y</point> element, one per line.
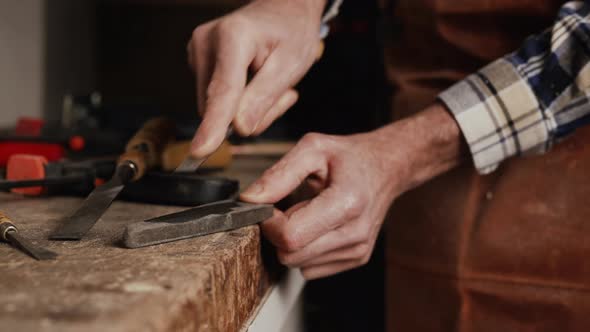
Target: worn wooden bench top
<point>212,283</point>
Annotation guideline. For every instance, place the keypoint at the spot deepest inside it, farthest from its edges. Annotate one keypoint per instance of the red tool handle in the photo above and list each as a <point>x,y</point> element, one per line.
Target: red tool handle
<point>52,152</point>
<point>26,167</point>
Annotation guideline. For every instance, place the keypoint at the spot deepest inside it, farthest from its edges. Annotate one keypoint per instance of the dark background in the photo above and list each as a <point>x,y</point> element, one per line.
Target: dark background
<point>142,71</point>
<point>142,67</point>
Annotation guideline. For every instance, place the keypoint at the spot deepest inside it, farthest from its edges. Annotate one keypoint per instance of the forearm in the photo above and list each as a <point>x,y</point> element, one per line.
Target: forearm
<point>315,8</point>
<point>438,142</point>
<point>431,143</point>
<point>321,4</point>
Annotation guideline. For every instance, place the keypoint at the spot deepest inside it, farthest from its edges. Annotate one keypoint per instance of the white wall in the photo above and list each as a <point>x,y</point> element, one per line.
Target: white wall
<point>21,59</point>
<point>46,50</point>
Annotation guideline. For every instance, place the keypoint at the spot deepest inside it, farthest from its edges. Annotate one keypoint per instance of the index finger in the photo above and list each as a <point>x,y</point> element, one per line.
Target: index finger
<point>231,61</point>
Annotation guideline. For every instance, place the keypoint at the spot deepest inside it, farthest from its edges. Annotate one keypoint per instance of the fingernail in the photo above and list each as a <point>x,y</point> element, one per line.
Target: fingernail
<point>254,190</point>
<point>195,147</point>
<point>243,119</point>
<point>249,125</point>
<point>199,147</point>
<point>255,127</point>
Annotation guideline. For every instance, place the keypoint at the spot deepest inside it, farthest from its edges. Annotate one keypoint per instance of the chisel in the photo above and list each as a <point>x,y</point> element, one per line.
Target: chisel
<point>143,152</point>
<point>202,220</point>
<point>191,164</point>
<point>9,233</point>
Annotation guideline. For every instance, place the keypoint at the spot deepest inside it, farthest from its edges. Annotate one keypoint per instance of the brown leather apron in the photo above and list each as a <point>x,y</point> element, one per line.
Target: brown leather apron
<point>505,252</point>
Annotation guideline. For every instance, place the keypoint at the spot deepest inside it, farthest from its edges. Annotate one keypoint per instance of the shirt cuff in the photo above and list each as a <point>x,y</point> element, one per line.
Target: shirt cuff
<point>499,115</point>
<point>332,11</point>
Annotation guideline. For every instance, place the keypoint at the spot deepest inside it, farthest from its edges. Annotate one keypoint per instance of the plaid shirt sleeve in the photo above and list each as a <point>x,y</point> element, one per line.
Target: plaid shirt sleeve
<point>528,100</point>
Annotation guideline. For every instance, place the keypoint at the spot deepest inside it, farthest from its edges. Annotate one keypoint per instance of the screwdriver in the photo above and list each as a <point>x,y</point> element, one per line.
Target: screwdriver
<point>10,234</point>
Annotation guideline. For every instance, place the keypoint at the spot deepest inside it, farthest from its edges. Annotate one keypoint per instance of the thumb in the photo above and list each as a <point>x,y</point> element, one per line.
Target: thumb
<point>286,175</point>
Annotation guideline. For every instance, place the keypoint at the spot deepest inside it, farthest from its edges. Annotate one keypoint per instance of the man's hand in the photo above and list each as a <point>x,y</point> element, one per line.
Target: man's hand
<point>277,41</point>
<point>357,178</point>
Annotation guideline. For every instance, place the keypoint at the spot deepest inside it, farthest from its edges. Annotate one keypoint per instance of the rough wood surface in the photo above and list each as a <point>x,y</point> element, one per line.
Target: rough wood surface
<point>212,283</point>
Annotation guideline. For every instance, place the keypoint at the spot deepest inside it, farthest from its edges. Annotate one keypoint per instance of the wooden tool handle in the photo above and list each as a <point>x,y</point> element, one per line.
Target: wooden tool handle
<point>6,225</point>
<point>145,149</point>
<point>321,49</point>
<point>263,149</point>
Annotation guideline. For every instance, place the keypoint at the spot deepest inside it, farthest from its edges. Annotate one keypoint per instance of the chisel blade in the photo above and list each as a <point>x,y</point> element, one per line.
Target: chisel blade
<point>190,165</point>
<point>79,223</point>
<point>25,245</point>
<point>202,220</point>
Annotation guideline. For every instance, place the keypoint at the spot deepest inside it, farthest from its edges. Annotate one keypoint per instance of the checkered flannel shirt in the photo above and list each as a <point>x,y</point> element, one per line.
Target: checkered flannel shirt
<point>528,100</point>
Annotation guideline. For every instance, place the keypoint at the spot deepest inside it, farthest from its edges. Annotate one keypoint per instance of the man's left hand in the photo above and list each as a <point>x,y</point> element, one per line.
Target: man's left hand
<point>357,178</point>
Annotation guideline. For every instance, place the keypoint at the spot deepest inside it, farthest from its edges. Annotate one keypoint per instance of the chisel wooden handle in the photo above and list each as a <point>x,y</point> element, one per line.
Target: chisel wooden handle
<point>6,225</point>
<point>320,51</point>
<point>144,150</point>
<point>9,233</point>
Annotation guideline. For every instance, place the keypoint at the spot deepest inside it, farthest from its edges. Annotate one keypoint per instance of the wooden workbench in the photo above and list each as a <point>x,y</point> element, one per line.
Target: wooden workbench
<point>212,283</point>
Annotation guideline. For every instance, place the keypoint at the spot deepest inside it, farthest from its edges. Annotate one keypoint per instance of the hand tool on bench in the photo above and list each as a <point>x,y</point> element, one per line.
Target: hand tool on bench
<point>202,220</point>
<point>71,142</point>
<point>10,234</point>
<point>50,151</point>
<point>33,175</point>
<point>143,152</point>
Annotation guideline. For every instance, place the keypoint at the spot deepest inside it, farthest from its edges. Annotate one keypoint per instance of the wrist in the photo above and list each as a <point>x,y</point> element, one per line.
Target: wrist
<point>309,8</point>
<point>428,144</point>
<point>444,147</point>
<point>318,6</point>
<point>320,3</point>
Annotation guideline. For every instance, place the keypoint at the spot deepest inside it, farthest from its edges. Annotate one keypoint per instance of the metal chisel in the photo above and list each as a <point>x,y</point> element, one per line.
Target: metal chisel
<point>143,152</point>
<point>205,219</point>
<point>191,164</point>
<point>9,233</point>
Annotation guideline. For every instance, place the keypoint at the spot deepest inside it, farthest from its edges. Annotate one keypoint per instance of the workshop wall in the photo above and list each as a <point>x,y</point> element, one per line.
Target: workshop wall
<point>69,45</point>
<point>46,51</point>
<point>21,59</point>
<point>142,67</point>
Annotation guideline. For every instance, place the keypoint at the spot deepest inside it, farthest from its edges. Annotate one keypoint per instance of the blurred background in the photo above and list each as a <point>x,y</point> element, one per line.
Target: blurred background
<point>107,66</point>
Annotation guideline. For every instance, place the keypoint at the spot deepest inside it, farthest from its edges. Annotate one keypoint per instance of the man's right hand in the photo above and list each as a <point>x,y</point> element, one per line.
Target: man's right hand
<point>277,41</point>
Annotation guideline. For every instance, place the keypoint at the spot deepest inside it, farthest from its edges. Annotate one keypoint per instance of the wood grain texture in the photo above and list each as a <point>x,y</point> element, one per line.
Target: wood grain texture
<point>211,283</point>
<point>145,148</point>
